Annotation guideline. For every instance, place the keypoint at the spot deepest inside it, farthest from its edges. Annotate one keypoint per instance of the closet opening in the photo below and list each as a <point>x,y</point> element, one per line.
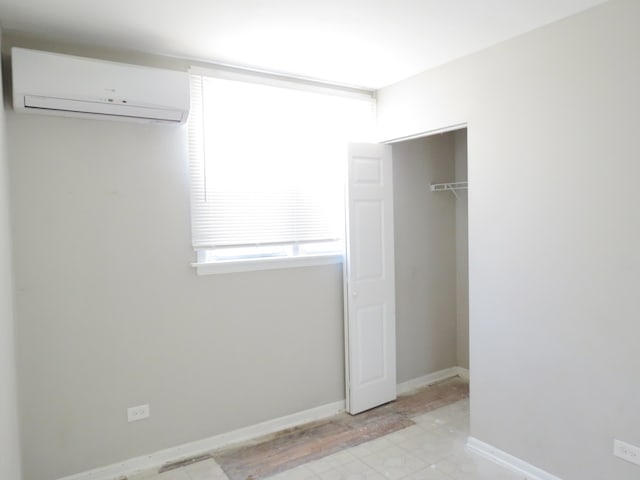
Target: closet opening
<point>431,255</point>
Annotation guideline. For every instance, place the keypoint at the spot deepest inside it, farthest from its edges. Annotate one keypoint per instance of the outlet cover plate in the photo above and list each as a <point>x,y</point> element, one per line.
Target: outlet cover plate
<point>626,451</point>
<point>138,413</point>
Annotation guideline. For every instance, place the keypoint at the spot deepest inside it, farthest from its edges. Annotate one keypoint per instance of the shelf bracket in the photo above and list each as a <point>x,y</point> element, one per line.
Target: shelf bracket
<point>450,187</point>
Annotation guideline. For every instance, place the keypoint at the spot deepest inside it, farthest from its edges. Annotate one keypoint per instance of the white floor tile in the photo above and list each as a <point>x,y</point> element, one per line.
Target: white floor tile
<point>429,473</point>
<point>298,473</point>
<point>205,470</point>
<point>330,462</point>
<point>356,470</point>
<point>434,419</point>
<point>405,434</point>
<point>394,462</point>
<point>429,447</point>
<point>369,448</point>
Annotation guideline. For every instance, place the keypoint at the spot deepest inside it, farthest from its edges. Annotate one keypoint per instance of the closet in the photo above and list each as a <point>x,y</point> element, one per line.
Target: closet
<point>406,274</point>
<point>431,254</point>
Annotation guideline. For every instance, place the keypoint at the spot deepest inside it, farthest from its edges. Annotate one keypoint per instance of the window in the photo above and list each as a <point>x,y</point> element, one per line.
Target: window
<point>268,166</point>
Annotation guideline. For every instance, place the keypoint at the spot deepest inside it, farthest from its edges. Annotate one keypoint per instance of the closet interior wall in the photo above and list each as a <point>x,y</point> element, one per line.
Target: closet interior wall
<point>430,256</point>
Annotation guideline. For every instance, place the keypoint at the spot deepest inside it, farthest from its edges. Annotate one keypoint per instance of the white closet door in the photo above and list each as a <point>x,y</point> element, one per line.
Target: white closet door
<point>370,291</point>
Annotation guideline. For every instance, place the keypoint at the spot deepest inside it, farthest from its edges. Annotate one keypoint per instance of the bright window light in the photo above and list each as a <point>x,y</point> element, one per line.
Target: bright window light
<point>268,168</point>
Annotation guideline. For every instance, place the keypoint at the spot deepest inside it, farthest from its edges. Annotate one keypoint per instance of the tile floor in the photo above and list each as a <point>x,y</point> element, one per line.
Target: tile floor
<point>432,449</point>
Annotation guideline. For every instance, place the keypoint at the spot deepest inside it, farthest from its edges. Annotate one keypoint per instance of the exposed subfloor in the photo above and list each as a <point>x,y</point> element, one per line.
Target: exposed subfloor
<point>420,436</point>
<point>291,448</point>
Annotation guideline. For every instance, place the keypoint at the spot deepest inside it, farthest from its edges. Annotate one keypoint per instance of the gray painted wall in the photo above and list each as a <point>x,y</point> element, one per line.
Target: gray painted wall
<point>553,248</point>
<point>10,467</point>
<point>111,315</point>
<point>425,257</point>
<point>462,250</point>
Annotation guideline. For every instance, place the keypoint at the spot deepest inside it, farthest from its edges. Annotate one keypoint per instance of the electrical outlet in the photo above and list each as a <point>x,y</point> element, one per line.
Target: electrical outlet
<point>138,413</point>
<point>628,452</point>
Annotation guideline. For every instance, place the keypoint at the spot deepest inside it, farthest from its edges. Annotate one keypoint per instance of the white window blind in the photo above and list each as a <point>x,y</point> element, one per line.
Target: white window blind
<point>267,167</point>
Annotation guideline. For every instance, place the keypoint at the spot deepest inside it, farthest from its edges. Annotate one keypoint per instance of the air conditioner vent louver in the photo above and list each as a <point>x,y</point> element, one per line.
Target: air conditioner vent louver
<point>55,84</point>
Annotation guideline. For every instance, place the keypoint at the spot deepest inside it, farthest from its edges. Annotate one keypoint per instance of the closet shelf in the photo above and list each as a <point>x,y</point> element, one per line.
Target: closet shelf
<point>449,187</point>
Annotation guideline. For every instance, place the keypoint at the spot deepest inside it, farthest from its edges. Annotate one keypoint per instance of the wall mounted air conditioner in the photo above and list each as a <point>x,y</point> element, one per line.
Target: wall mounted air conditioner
<point>55,84</point>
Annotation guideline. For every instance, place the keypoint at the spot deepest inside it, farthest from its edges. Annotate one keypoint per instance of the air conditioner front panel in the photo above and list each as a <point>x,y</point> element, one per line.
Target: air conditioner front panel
<point>53,83</point>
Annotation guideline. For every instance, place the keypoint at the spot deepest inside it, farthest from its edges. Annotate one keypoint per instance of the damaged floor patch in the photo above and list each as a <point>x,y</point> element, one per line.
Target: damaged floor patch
<point>290,448</point>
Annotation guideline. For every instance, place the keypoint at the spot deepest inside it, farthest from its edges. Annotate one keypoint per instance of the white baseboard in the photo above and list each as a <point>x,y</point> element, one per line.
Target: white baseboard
<point>420,382</point>
<point>156,460</point>
<point>463,373</point>
<point>509,461</point>
<point>431,378</point>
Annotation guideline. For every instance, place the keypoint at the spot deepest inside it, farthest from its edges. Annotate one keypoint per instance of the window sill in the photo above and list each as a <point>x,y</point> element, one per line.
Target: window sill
<point>251,265</point>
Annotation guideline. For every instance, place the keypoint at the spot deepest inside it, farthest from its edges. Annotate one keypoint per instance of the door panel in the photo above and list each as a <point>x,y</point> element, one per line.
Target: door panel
<point>368,240</point>
<point>371,337</point>
<point>369,274</point>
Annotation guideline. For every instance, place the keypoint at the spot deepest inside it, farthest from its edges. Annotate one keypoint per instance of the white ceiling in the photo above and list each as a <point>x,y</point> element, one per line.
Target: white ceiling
<point>368,43</point>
